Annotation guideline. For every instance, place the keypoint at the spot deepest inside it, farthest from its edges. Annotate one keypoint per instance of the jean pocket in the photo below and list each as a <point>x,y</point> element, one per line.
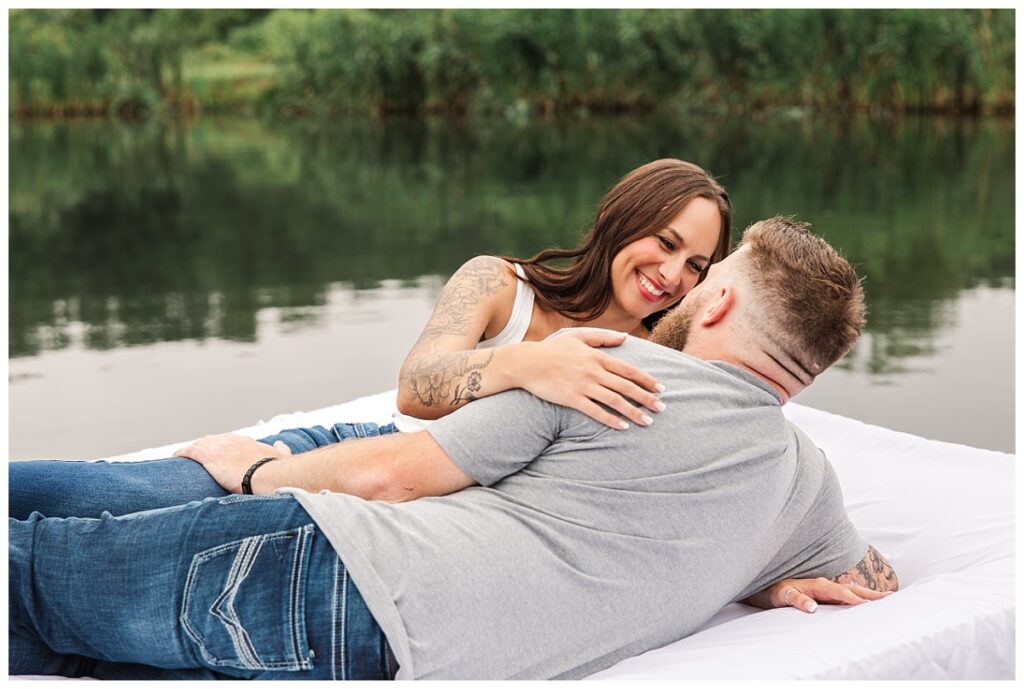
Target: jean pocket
<point>244,602</point>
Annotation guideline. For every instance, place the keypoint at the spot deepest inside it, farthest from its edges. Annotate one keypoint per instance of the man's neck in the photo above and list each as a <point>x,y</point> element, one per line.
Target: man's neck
<point>753,365</point>
<point>784,394</point>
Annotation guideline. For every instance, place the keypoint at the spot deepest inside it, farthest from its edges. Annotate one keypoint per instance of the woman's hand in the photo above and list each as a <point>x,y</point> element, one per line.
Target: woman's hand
<point>227,457</point>
<point>805,594</point>
<point>570,370</point>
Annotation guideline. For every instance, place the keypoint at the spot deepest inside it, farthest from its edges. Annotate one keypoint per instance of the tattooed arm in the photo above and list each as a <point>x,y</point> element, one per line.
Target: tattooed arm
<point>443,370</point>
<point>873,572</point>
<point>870,579</point>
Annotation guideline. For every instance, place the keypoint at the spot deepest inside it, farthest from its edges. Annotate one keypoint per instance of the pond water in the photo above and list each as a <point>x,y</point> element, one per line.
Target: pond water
<point>168,281</point>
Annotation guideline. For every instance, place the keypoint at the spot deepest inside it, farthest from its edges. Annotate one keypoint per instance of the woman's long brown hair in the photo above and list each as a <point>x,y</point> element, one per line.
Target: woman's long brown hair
<point>643,202</point>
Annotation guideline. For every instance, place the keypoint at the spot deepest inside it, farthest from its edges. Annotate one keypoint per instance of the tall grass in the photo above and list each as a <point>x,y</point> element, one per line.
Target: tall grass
<point>514,62</point>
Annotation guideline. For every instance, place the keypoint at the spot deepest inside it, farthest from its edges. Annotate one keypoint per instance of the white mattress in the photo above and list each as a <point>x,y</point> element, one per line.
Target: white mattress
<point>943,515</point>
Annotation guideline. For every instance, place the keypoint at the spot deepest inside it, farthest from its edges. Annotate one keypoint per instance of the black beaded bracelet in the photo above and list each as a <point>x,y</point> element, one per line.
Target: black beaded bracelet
<point>247,479</point>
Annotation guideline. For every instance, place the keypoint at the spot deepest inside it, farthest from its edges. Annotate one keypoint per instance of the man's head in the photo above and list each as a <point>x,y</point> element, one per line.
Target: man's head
<point>785,306</point>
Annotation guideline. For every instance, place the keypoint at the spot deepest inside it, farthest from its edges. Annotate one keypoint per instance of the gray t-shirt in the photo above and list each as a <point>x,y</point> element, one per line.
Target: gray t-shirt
<point>584,545</point>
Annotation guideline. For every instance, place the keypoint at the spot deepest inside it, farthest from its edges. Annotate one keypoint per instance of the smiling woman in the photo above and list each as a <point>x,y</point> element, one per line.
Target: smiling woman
<point>662,267</point>
<point>655,233</point>
<point>662,213</point>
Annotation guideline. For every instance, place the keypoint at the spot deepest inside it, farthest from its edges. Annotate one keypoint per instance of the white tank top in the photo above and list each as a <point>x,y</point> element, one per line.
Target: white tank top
<point>514,331</point>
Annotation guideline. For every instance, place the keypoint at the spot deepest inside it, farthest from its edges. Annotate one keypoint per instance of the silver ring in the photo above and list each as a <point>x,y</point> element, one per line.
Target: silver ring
<point>785,596</point>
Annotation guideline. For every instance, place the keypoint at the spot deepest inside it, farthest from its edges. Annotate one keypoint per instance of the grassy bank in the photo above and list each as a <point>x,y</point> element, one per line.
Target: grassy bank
<point>511,62</point>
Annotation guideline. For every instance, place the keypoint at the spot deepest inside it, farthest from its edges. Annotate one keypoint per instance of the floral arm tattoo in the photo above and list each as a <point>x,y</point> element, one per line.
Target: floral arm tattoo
<point>480,277</point>
<point>453,378</point>
<point>873,572</point>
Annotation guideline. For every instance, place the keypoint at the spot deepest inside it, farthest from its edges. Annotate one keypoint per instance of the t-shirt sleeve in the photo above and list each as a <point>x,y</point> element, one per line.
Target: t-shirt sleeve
<point>498,435</point>
<point>824,544</point>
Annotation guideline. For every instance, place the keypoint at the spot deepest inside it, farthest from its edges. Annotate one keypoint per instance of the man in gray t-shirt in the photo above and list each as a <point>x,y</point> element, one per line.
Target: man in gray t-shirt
<point>583,545</point>
<point>520,539</point>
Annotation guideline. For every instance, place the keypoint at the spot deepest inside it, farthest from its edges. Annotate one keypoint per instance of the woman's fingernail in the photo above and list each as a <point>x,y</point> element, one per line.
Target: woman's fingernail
<point>812,607</point>
<point>623,425</point>
<point>659,405</point>
<point>647,420</point>
<point>660,387</point>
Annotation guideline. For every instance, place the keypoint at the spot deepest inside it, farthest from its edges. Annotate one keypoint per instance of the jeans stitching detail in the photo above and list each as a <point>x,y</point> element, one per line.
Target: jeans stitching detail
<point>224,605</point>
<point>295,600</point>
<point>343,432</point>
<point>190,586</point>
<point>344,623</point>
<point>366,430</point>
<point>230,499</point>
<point>334,622</point>
<point>292,603</point>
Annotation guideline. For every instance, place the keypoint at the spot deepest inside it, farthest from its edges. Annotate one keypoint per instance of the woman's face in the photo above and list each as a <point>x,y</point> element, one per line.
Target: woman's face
<point>653,273</point>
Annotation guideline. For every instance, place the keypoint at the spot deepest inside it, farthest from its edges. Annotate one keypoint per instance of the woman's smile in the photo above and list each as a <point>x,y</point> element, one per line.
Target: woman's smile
<point>655,271</point>
<point>649,289</point>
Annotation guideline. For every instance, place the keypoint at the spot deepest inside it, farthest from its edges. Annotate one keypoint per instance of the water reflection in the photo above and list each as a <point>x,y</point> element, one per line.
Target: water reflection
<point>123,235</point>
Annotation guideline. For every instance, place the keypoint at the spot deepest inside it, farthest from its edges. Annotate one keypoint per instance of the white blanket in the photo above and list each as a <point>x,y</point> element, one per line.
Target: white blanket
<point>943,515</point>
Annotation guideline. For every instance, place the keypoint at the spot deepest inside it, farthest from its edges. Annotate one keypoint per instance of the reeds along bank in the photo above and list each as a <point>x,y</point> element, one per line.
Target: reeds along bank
<point>137,62</point>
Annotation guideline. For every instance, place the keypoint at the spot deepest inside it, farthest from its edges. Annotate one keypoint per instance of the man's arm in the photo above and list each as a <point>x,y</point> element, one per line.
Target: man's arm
<point>480,443</point>
<point>392,468</point>
<point>870,579</point>
<point>873,572</point>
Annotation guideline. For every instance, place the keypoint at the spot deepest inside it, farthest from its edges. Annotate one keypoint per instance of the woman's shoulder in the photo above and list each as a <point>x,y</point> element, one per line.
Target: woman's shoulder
<point>487,267</point>
<point>491,283</point>
<point>486,275</point>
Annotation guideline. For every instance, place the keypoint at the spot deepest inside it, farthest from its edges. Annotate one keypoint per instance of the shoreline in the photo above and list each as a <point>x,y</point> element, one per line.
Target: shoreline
<point>71,112</point>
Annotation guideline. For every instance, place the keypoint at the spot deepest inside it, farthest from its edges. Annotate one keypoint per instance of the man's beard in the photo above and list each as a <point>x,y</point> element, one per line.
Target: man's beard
<point>673,329</point>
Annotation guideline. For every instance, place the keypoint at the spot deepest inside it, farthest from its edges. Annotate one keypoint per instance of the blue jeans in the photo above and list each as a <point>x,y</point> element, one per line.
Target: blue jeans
<point>231,587</point>
<point>88,489</point>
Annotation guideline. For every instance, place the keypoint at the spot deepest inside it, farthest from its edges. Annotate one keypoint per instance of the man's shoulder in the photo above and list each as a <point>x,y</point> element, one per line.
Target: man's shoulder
<point>638,348</point>
<point>673,367</point>
<point>804,444</point>
<point>812,464</point>
<point>682,366</point>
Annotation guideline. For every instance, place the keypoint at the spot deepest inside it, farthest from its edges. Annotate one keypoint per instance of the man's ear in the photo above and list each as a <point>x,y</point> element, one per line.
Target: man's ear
<point>718,305</point>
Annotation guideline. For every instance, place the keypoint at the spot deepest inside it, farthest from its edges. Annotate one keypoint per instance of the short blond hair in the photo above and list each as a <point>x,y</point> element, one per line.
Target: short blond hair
<point>811,299</point>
